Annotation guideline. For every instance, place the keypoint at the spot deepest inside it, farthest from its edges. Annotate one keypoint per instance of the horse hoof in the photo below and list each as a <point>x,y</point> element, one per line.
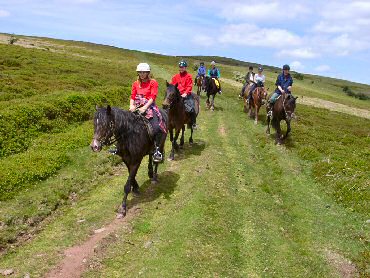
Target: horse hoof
<point>136,192</point>
<point>120,215</point>
<point>171,159</point>
<point>255,122</point>
<point>154,181</point>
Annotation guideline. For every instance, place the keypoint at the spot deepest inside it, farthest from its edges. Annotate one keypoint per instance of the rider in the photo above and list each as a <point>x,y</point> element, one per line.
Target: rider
<point>201,72</point>
<point>259,81</point>
<point>215,73</point>
<point>184,83</point>
<point>284,83</point>
<point>143,95</point>
<point>249,77</point>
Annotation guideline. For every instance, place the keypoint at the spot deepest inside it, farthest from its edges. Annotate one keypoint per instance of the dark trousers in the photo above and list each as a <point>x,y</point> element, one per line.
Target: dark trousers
<point>190,107</point>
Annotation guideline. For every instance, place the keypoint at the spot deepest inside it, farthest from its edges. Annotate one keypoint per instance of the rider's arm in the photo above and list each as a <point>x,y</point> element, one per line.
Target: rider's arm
<point>133,96</point>
<point>153,94</point>
<point>188,85</point>
<point>218,73</point>
<point>209,73</point>
<point>278,84</point>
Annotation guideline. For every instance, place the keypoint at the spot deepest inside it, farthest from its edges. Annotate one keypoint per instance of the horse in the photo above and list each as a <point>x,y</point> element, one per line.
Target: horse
<point>212,90</point>
<point>258,94</point>
<point>177,116</point>
<point>200,87</point>
<point>283,110</point>
<point>131,133</point>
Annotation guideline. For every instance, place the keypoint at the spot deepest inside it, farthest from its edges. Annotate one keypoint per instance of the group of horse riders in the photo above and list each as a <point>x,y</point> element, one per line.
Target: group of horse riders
<point>144,93</point>
<point>213,72</point>
<point>145,90</point>
<point>284,83</point>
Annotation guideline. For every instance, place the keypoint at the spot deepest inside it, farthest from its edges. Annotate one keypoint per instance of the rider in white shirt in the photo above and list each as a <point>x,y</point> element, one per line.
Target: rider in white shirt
<point>259,80</point>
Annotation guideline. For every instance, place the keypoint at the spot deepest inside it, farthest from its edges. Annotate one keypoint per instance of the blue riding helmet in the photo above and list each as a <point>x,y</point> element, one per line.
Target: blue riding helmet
<point>183,63</point>
<point>286,67</point>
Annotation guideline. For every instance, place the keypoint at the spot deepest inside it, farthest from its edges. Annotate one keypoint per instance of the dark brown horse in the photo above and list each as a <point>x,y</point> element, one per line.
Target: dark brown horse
<point>283,110</point>
<point>255,103</point>
<point>200,81</point>
<point>177,116</point>
<point>130,133</point>
<point>212,90</point>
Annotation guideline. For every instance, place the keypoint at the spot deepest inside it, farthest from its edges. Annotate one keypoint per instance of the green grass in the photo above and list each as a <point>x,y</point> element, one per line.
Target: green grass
<point>234,205</point>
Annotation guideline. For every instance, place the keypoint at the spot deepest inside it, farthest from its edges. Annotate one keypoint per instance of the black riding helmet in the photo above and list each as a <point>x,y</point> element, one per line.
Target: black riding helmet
<point>286,67</point>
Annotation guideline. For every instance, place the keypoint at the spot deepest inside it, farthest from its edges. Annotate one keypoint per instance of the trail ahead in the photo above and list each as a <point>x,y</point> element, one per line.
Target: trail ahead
<point>232,205</point>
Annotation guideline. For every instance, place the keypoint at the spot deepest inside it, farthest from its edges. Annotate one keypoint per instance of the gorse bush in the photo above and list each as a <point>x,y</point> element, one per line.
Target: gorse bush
<point>298,76</point>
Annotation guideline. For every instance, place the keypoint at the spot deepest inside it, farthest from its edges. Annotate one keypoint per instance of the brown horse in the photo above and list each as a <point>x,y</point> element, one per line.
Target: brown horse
<point>255,103</point>
<point>177,116</point>
<point>200,81</point>
<point>283,110</point>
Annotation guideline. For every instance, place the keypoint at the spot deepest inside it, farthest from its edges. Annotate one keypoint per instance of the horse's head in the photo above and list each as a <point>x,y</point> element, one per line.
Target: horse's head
<point>103,128</point>
<point>289,106</point>
<point>172,96</point>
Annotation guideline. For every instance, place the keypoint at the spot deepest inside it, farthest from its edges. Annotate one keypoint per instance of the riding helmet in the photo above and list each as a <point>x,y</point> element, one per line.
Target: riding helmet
<point>183,63</point>
<point>143,67</point>
<point>213,63</point>
<point>286,67</point>
<point>260,69</point>
<point>202,63</point>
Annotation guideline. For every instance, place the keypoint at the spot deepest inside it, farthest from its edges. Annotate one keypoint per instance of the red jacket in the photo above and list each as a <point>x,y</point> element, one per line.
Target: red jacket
<point>184,81</point>
<point>148,89</point>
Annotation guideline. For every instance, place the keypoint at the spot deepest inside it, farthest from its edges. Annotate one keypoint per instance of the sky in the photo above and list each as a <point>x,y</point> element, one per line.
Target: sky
<point>330,38</point>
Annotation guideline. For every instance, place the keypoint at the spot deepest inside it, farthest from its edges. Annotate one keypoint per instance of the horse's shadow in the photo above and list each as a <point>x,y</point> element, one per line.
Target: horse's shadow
<point>150,192</point>
<point>189,150</point>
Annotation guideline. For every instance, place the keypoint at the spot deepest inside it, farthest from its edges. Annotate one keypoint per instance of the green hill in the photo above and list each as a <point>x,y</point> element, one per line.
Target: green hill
<point>233,205</point>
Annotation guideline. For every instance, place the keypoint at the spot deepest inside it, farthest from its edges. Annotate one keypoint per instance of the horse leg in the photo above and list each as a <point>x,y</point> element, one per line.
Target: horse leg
<point>268,125</point>
<point>213,103</point>
<point>172,153</point>
<point>182,137</point>
<point>256,108</point>
<point>150,167</point>
<point>278,133</point>
<point>174,145</point>
<point>155,177</point>
<point>132,169</point>
<point>191,136</point>
<point>135,188</point>
<point>288,129</point>
<point>245,105</point>
<point>207,101</point>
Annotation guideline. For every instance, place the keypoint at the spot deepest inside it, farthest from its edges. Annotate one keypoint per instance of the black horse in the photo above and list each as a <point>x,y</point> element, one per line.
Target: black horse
<point>212,90</point>
<point>283,110</point>
<point>131,133</point>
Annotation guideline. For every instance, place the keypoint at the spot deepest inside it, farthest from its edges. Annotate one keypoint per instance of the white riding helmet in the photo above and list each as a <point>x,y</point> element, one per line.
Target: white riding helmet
<point>213,63</point>
<point>143,67</point>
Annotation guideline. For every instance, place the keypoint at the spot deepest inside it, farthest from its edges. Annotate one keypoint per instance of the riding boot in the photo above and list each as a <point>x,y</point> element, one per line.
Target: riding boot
<point>157,156</point>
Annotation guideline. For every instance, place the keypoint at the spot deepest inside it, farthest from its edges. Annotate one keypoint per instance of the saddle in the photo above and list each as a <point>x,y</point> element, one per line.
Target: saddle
<point>147,124</point>
<point>217,82</point>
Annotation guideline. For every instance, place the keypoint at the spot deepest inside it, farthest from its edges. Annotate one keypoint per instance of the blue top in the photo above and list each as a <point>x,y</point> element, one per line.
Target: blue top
<point>214,73</point>
<point>201,71</point>
<point>284,81</point>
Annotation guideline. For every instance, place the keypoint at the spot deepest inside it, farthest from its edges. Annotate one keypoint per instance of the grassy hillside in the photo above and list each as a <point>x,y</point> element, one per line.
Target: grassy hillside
<point>49,177</point>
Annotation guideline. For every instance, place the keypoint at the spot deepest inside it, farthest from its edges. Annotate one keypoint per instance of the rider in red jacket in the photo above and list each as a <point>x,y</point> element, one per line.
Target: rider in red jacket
<point>184,83</point>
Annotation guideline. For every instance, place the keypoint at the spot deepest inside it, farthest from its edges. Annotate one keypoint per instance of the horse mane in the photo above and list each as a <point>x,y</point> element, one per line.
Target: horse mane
<point>278,107</point>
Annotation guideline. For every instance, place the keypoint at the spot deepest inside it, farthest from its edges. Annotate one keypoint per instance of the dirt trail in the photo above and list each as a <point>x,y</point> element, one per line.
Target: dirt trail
<point>319,103</point>
<point>77,257</point>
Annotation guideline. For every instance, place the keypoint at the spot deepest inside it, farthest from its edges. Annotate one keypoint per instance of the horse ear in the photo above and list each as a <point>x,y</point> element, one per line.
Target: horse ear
<point>109,110</point>
<point>295,97</point>
<point>167,84</point>
<point>97,107</point>
<point>177,85</point>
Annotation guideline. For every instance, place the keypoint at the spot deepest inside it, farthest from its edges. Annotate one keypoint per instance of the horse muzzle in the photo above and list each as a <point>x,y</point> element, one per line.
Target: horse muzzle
<point>95,145</point>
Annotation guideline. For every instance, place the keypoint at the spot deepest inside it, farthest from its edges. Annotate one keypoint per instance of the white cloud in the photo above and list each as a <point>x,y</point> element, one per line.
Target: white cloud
<point>252,11</point>
<point>4,13</point>
<point>303,53</point>
<point>252,35</point>
<point>297,66</point>
<point>322,68</point>
<point>203,40</point>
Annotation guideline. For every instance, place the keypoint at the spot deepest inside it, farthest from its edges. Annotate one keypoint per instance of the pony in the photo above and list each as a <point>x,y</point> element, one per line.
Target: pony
<point>283,109</point>
<point>255,102</point>
<point>177,116</point>
<point>212,90</point>
<point>131,133</point>
<point>200,87</point>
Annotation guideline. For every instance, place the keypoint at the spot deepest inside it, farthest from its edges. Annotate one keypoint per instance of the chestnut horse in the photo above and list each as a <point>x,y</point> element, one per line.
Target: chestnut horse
<point>200,87</point>
<point>255,103</point>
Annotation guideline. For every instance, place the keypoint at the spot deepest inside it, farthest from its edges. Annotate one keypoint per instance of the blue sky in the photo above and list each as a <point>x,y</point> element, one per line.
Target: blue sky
<point>330,38</point>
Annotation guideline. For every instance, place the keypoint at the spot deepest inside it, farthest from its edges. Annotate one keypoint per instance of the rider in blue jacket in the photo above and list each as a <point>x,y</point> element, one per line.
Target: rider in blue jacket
<point>284,83</point>
<point>201,72</point>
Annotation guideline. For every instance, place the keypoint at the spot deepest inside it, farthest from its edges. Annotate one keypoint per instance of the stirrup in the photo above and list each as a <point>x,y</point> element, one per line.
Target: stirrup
<point>157,156</point>
<point>112,151</point>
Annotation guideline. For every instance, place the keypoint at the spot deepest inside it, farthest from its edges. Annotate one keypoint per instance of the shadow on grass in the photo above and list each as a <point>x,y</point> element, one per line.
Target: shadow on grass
<point>150,192</point>
<point>190,149</point>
